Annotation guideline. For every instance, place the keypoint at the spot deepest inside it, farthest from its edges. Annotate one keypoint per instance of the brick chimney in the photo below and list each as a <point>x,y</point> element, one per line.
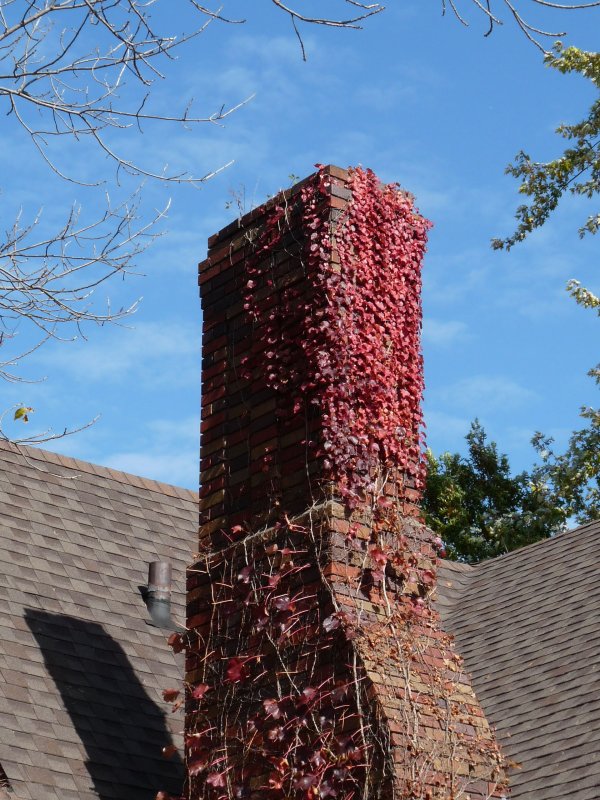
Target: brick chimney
<point>316,663</point>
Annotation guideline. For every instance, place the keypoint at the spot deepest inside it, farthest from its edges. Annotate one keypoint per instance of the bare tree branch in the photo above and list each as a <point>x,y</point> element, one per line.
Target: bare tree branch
<point>38,438</point>
<point>536,35</point>
<point>367,10</point>
<point>64,67</point>
<point>84,71</point>
<point>49,281</point>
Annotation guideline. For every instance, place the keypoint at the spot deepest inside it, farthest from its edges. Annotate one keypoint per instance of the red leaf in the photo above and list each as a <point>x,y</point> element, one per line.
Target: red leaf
<point>307,696</point>
<point>378,575</point>
<point>306,781</point>
<point>275,782</point>
<point>175,641</point>
<point>378,556</point>
<point>428,577</point>
<point>331,623</point>
<point>283,603</point>
<point>200,690</point>
<point>327,790</point>
<point>275,734</point>
<point>237,670</point>
<point>245,574</point>
<point>272,708</point>
<point>216,779</point>
<point>198,765</point>
<point>340,692</point>
<point>170,695</point>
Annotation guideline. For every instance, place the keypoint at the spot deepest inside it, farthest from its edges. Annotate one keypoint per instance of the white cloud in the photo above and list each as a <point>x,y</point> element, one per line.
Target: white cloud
<point>450,278</point>
<point>167,467</point>
<point>443,334</point>
<point>382,98</point>
<point>170,453</point>
<point>184,429</point>
<point>155,353</point>
<point>445,431</point>
<point>483,392</point>
<point>275,51</point>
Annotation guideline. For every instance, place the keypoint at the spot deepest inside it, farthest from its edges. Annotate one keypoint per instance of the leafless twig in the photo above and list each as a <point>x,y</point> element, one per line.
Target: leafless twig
<point>536,35</point>
<point>365,10</point>
<point>39,438</point>
<point>82,74</point>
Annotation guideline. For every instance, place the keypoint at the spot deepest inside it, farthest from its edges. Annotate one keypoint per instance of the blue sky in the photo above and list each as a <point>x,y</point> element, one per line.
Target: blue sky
<point>422,101</point>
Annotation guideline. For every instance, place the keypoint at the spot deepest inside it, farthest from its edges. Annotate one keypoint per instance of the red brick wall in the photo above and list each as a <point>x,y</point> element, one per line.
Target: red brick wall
<point>253,452</point>
<point>316,665</point>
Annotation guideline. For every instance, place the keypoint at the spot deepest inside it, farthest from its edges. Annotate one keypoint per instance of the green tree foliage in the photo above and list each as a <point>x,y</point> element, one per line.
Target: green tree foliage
<point>474,503</point>
<point>479,509</point>
<point>576,171</point>
<point>571,480</point>
<point>583,297</point>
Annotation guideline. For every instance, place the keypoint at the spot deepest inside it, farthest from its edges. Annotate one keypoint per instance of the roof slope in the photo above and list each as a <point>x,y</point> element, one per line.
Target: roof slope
<point>81,668</point>
<point>528,627</point>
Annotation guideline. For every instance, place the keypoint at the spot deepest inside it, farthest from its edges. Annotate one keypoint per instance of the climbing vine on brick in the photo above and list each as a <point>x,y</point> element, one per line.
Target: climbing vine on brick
<point>352,346</point>
<point>316,664</point>
<point>287,650</point>
<point>369,360</point>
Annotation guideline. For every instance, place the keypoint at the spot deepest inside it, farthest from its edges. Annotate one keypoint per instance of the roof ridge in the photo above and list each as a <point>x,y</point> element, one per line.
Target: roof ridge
<point>40,454</point>
<point>548,540</point>
<point>457,566</point>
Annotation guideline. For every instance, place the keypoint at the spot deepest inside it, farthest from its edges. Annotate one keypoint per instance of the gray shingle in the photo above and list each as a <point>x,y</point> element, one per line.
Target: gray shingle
<point>528,627</point>
<point>82,671</point>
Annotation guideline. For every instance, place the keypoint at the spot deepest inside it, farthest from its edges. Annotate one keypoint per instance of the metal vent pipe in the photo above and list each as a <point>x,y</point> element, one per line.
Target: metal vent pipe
<point>158,596</point>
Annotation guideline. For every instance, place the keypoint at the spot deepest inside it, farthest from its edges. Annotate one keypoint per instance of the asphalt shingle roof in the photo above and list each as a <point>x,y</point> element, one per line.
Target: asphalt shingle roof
<point>82,669</point>
<point>528,627</point>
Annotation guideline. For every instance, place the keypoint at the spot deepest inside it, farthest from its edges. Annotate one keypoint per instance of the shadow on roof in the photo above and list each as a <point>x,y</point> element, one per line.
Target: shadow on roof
<point>122,729</point>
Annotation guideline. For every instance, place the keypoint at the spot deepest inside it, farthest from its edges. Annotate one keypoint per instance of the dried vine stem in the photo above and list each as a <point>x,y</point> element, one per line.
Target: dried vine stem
<point>316,663</point>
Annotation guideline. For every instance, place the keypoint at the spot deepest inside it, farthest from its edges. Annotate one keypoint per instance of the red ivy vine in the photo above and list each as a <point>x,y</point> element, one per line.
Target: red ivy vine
<point>273,717</point>
<point>282,705</point>
<point>351,346</point>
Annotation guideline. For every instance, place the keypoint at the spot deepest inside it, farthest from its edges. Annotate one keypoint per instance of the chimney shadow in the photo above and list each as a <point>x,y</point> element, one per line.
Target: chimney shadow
<point>121,728</point>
